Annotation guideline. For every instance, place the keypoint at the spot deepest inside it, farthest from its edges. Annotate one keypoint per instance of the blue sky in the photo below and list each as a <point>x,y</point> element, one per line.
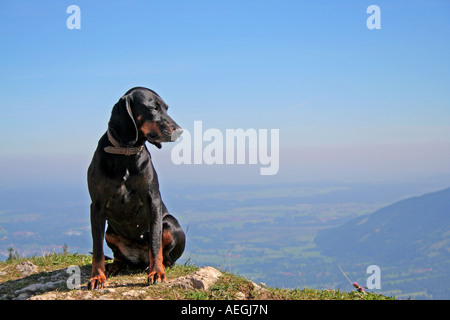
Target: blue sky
<point>349,102</point>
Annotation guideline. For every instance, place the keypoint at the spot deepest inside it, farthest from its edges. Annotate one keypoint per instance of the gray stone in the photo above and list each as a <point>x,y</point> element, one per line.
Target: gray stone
<point>26,268</point>
<point>201,279</point>
<point>39,287</point>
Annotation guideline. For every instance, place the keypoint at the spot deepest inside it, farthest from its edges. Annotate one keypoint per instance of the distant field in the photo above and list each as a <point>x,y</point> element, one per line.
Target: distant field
<point>270,243</point>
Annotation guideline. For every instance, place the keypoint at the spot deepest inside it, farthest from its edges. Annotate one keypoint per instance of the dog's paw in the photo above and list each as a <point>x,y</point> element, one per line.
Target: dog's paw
<point>97,282</point>
<point>156,276</point>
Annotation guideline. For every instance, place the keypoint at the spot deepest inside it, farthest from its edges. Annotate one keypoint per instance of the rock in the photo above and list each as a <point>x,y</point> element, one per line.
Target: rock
<point>258,288</point>
<point>261,291</point>
<point>39,287</point>
<point>83,295</point>
<point>239,296</point>
<point>134,293</point>
<point>27,268</point>
<point>45,296</point>
<point>22,296</point>
<point>61,274</point>
<point>106,290</point>
<point>33,288</point>
<point>201,279</point>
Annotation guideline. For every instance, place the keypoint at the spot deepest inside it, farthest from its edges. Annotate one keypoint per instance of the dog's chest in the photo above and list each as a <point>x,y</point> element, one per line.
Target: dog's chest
<point>126,201</point>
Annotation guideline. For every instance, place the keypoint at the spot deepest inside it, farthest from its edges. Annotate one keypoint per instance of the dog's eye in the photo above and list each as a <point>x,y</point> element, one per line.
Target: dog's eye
<point>156,106</point>
<point>159,104</point>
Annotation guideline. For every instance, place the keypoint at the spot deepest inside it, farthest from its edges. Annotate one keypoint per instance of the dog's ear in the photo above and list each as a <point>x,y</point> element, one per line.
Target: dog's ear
<point>122,124</point>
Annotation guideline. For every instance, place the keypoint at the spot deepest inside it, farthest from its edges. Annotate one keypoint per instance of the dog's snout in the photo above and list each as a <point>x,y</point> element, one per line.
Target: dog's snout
<point>176,134</point>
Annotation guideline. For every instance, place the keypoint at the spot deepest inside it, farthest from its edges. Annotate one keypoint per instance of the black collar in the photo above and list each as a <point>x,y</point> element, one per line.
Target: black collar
<point>118,149</point>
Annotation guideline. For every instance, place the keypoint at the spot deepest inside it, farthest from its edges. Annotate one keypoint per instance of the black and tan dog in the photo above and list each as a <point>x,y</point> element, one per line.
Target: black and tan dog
<point>124,190</point>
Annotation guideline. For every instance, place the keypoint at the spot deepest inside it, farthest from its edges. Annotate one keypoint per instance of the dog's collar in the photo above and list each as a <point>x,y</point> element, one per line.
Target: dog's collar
<point>118,149</point>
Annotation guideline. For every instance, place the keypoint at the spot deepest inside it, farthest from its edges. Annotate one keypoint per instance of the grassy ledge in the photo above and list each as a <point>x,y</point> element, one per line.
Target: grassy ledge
<point>50,283</point>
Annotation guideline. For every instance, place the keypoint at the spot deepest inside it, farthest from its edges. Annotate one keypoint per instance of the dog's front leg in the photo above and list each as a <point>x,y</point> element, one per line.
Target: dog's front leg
<point>98,221</point>
<point>156,269</point>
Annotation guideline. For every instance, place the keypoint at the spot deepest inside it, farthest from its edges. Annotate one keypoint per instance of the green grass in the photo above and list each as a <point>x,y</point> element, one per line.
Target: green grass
<point>228,287</point>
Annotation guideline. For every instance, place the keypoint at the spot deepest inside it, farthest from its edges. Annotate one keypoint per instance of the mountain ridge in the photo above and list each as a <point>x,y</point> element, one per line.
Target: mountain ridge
<point>414,225</point>
<point>409,240</point>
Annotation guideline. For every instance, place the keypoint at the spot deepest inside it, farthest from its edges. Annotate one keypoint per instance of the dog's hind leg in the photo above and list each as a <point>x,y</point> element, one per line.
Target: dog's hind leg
<point>173,240</point>
<point>119,260</point>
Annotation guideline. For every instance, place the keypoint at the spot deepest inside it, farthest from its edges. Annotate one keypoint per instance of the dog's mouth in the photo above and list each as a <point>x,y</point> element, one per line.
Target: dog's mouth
<point>155,140</point>
<point>157,144</point>
<point>167,136</point>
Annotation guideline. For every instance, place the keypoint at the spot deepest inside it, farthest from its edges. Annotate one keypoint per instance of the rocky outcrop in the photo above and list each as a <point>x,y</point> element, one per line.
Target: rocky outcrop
<point>53,286</point>
<point>26,268</point>
<point>201,279</point>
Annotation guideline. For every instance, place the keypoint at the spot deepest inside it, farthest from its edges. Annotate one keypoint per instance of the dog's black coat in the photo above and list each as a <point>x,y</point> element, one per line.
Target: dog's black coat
<point>124,190</point>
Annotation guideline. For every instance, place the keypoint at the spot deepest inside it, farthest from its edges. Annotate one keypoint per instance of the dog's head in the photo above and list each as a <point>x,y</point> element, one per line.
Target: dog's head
<point>141,114</point>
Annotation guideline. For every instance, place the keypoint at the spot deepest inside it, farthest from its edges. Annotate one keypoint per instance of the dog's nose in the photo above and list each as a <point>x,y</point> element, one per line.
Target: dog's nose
<point>176,134</point>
